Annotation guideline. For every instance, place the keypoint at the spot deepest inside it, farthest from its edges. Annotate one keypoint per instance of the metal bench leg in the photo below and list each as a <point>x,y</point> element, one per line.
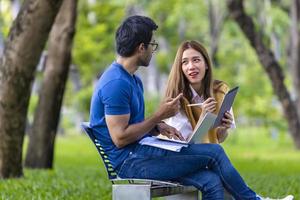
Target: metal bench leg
<point>131,192</point>
<point>186,196</point>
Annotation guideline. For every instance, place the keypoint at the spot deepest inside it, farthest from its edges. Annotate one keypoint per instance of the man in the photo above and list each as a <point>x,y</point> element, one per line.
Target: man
<point>117,120</point>
<point>117,108</point>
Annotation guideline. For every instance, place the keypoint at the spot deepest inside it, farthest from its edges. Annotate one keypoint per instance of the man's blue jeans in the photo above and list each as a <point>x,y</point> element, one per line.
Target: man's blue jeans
<point>205,166</point>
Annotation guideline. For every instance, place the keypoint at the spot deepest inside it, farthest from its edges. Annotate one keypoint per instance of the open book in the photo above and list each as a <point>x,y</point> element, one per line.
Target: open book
<point>196,136</point>
<point>202,127</point>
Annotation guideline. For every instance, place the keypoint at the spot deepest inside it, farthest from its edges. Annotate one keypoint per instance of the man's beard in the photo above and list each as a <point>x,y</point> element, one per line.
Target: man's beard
<point>144,61</point>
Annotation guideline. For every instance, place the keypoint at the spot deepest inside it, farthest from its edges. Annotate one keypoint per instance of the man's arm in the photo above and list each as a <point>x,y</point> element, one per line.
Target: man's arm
<point>123,134</point>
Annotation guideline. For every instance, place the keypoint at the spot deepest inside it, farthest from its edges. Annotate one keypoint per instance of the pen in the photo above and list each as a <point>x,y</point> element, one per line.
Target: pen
<point>195,104</point>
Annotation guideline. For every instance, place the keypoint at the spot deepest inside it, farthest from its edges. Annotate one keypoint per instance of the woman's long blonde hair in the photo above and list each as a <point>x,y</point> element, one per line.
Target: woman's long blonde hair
<point>177,82</point>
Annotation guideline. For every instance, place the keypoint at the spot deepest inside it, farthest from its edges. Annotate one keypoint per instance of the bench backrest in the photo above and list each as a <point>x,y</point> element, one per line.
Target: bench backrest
<point>109,168</point>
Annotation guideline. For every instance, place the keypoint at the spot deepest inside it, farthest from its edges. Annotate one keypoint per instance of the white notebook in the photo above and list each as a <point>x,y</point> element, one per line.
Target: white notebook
<point>163,144</point>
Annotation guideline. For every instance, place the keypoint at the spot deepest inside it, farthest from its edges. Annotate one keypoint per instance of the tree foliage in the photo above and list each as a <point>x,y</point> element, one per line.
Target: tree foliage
<point>179,20</point>
<point>93,47</point>
<point>94,40</point>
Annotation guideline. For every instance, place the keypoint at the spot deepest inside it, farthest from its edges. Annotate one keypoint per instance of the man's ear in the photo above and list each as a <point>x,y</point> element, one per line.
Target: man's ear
<point>141,47</point>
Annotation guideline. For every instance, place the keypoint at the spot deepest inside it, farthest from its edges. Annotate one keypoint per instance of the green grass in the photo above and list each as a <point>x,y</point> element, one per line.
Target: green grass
<point>270,167</point>
<point>78,174</point>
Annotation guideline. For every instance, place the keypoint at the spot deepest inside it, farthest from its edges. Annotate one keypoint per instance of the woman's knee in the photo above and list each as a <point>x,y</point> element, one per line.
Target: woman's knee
<point>218,149</point>
<point>215,151</point>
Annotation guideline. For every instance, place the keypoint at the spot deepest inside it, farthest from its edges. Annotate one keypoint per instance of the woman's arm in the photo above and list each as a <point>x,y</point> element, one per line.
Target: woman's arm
<point>222,134</point>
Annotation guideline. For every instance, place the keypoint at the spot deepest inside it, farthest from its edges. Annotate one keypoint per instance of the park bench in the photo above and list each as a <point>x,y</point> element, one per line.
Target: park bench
<point>140,189</point>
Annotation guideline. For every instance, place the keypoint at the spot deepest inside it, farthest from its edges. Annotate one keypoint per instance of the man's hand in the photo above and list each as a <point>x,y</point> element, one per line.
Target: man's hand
<point>168,108</point>
<point>169,131</point>
<point>123,134</point>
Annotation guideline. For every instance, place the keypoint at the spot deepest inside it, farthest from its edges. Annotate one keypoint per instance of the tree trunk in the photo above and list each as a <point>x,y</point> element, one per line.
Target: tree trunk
<point>216,20</point>
<point>21,54</point>
<point>270,65</point>
<point>294,57</point>
<point>41,140</point>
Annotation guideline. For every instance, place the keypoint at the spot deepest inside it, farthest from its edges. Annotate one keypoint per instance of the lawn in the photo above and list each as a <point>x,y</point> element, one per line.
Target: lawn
<point>270,166</point>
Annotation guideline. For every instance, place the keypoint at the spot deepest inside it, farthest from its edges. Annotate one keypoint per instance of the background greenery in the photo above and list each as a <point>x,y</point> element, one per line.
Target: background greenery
<point>178,20</point>
<point>260,147</point>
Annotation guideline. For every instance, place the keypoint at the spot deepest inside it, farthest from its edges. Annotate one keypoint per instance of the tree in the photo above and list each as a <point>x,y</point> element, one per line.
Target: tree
<point>42,137</point>
<point>270,65</point>
<point>294,50</point>
<point>22,50</point>
<point>216,16</point>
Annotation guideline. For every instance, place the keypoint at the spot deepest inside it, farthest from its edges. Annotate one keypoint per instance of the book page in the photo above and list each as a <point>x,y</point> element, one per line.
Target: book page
<point>202,127</point>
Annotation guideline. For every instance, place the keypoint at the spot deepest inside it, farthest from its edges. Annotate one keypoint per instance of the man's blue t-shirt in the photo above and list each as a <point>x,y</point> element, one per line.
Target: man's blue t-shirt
<point>117,92</point>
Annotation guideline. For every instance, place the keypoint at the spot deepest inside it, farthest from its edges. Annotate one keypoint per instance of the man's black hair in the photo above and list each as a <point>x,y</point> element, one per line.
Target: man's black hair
<point>132,32</point>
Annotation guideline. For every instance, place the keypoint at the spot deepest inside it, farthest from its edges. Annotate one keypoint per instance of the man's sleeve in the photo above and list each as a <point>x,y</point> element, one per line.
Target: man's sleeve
<point>115,96</point>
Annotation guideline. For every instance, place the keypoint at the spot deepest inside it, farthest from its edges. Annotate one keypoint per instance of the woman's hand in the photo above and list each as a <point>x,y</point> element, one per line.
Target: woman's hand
<point>226,124</point>
<point>209,105</point>
<point>169,131</point>
<point>227,120</point>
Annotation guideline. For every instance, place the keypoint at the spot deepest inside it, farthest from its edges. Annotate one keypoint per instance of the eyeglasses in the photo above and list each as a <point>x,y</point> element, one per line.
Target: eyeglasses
<point>154,45</point>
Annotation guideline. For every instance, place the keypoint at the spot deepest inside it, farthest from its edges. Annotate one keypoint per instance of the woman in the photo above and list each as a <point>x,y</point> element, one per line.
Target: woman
<point>191,74</point>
